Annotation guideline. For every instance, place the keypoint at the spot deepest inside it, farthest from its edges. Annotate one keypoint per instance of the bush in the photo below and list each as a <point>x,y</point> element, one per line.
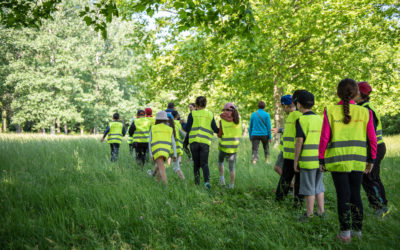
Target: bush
<point>391,124</point>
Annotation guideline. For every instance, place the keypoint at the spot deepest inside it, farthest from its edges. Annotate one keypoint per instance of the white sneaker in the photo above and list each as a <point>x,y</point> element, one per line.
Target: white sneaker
<point>221,182</point>
<point>150,172</point>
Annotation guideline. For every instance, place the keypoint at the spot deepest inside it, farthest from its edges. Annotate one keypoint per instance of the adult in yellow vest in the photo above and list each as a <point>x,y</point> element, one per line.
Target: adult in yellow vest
<point>140,132</point>
<point>161,145</point>
<point>346,131</point>
<point>200,126</point>
<point>372,183</point>
<point>287,147</point>
<point>230,132</point>
<point>115,131</point>
<point>308,132</point>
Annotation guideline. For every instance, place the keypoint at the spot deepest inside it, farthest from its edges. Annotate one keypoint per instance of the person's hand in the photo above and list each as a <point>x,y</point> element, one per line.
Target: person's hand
<point>102,139</point>
<point>274,130</point>
<point>296,167</point>
<point>369,167</point>
<point>322,168</point>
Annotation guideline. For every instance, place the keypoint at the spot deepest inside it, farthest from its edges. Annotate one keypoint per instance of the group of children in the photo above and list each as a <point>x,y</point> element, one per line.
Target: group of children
<point>346,141</point>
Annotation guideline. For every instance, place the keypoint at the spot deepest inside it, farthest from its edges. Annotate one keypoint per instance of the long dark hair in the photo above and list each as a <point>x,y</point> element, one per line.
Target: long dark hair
<point>235,115</point>
<point>347,90</point>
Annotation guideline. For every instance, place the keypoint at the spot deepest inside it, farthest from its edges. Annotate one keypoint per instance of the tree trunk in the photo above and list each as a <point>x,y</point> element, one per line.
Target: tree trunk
<point>95,131</point>
<point>19,130</point>
<point>52,130</point>
<point>43,131</point>
<point>81,127</point>
<point>58,125</point>
<point>65,129</point>
<point>278,111</point>
<point>4,116</point>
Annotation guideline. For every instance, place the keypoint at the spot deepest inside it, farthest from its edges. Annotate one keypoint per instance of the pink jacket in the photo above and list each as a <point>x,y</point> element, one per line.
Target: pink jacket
<point>326,135</point>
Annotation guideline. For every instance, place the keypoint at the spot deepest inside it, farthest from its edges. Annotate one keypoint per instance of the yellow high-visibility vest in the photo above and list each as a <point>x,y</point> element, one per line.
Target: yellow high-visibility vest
<point>229,143</point>
<point>178,139</point>
<point>152,120</point>
<point>311,126</point>
<point>347,150</point>
<point>161,140</point>
<point>379,137</point>
<point>115,134</point>
<point>201,130</point>
<point>142,132</point>
<point>289,135</point>
<point>130,138</point>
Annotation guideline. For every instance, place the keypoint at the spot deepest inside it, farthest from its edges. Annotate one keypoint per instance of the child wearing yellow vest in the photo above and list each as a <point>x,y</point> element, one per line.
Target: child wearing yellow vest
<point>308,132</point>
<point>230,131</point>
<point>180,134</point>
<point>372,182</point>
<point>139,130</point>
<point>347,149</point>
<point>288,140</point>
<point>115,131</point>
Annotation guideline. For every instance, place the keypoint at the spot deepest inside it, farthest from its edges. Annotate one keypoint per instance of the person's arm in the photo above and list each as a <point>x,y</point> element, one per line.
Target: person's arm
<point>269,126</point>
<point>298,145</point>
<point>132,128</point>
<point>214,126</point>
<point>174,147</point>
<point>182,133</point>
<point>189,123</point>
<point>250,125</point>
<point>324,140</point>
<point>220,130</point>
<point>372,139</point>
<point>105,133</point>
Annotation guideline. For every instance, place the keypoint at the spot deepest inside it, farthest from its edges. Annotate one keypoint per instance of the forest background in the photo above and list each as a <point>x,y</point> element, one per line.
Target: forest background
<point>67,66</point>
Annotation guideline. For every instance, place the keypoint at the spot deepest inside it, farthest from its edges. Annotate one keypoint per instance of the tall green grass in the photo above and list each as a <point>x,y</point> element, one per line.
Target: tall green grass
<point>62,192</point>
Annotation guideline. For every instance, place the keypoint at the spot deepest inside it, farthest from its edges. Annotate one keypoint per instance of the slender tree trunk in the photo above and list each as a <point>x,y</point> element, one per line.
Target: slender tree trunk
<point>52,130</point>
<point>58,125</point>
<point>4,116</point>
<point>278,111</point>
<point>81,127</point>
<point>65,129</point>
<point>43,131</point>
<point>19,130</point>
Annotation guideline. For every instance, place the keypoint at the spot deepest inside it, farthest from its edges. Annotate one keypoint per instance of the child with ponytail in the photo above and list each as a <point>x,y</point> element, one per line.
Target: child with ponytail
<point>347,149</point>
<point>230,131</point>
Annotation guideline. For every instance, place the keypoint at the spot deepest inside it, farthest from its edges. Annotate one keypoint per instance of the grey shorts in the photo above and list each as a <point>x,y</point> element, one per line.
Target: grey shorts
<point>279,160</point>
<point>231,159</point>
<point>311,182</point>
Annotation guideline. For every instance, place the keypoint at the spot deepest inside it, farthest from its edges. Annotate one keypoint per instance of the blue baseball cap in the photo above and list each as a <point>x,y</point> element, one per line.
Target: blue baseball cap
<point>286,100</point>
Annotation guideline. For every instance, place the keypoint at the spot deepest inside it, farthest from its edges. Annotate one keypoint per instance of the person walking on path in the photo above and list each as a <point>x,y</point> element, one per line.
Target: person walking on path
<point>230,131</point>
<point>161,144</point>
<point>260,130</point>
<point>115,131</point>
<point>192,107</point>
<point>372,182</point>
<point>308,133</point>
<point>347,149</point>
<point>288,139</point>
<point>140,131</point>
<point>130,139</point>
<point>200,126</point>
<point>179,135</point>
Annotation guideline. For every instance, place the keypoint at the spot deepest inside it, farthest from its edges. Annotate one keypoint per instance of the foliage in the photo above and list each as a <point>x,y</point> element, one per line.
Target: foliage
<point>64,193</point>
<point>391,124</point>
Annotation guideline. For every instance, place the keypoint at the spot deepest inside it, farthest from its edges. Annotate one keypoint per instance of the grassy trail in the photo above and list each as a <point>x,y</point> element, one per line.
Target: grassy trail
<point>62,192</point>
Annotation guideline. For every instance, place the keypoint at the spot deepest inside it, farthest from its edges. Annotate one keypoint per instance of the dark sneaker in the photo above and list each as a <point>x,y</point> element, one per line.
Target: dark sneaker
<point>207,185</point>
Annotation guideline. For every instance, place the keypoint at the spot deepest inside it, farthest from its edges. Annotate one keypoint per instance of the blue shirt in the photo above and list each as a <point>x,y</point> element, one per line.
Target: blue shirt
<point>257,127</point>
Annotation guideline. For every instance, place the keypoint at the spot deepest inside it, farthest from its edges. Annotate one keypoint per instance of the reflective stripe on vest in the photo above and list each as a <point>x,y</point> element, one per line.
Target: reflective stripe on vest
<point>289,134</point>
<point>379,138</point>
<point>201,130</point>
<point>178,139</point>
<point>311,126</point>
<point>347,150</point>
<point>161,140</point>
<point>115,134</point>
<point>142,132</point>
<point>229,143</point>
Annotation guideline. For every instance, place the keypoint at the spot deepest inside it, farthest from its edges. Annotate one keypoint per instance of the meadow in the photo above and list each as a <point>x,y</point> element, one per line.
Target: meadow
<point>63,192</point>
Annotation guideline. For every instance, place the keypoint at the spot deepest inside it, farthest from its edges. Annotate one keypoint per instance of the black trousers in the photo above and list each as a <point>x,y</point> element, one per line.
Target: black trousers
<point>185,146</point>
<point>284,182</point>
<point>372,183</point>
<point>114,151</point>
<point>141,150</point>
<point>255,143</point>
<point>349,203</point>
<point>200,153</point>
